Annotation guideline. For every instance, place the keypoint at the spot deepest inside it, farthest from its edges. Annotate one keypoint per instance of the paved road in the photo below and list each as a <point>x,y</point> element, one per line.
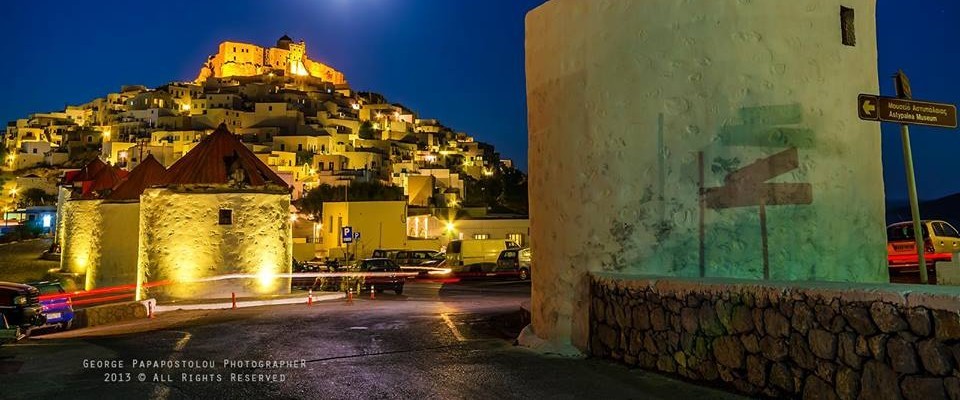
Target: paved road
<point>21,262</point>
<point>451,341</point>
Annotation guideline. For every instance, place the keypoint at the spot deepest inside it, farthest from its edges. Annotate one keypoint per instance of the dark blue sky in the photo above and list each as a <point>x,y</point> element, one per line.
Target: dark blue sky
<point>460,61</point>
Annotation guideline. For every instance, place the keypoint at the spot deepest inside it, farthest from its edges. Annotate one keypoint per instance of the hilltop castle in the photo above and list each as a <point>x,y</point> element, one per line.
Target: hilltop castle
<point>287,58</point>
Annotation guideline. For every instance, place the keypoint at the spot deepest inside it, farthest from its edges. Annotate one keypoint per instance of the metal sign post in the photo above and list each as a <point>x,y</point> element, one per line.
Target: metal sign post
<point>346,235</point>
<point>902,84</point>
<point>906,111</point>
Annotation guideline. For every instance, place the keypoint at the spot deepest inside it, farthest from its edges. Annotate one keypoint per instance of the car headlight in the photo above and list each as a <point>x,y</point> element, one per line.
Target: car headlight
<point>20,300</point>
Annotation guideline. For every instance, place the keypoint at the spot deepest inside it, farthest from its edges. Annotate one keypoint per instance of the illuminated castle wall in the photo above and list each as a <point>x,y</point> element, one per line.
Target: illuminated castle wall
<point>635,105</point>
<point>287,58</point>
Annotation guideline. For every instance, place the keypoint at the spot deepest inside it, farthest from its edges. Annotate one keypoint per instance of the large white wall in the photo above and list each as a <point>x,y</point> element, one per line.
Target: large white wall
<point>181,241</point>
<point>623,95</point>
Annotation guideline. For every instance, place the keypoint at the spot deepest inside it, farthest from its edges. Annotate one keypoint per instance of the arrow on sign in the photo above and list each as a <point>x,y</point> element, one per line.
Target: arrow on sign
<point>868,107</point>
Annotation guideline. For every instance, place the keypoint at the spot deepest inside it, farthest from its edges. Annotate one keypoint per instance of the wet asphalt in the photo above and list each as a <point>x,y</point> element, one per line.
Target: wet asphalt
<point>453,341</point>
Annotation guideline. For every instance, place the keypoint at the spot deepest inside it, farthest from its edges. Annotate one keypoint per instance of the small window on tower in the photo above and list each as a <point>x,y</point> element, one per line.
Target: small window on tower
<point>226,216</point>
<point>847,27</point>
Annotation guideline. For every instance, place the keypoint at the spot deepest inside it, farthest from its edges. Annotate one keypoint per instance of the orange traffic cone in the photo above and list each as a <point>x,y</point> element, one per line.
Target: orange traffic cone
<point>310,298</point>
<point>233,295</point>
<point>350,296</point>
<point>372,293</point>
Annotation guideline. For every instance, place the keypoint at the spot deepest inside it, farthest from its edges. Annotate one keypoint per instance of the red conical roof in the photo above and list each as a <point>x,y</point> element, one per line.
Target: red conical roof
<point>88,171</point>
<point>221,158</point>
<point>149,172</point>
<point>106,178</point>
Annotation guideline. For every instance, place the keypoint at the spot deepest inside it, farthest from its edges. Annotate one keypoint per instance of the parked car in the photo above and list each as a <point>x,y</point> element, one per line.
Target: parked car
<point>20,308</point>
<point>415,258</point>
<point>365,283</point>
<point>940,240</point>
<point>470,255</point>
<point>57,310</point>
<point>423,262</point>
<point>510,261</point>
<point>386,253</point>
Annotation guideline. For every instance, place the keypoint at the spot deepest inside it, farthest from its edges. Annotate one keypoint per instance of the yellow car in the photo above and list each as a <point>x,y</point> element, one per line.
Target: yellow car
<point>940,240</point>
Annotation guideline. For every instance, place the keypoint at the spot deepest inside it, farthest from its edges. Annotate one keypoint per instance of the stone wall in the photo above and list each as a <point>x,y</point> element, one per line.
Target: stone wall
<point>824,341</point>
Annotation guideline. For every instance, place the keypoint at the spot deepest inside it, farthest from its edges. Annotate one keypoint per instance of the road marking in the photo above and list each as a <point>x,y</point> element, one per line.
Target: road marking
<point>161,392</point>
<point>357,328</point>
<point>453,328</point>
<point>182,342</point>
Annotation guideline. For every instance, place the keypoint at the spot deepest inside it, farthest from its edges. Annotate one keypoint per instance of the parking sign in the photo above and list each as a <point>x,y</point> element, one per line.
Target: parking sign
<point>347,234</point>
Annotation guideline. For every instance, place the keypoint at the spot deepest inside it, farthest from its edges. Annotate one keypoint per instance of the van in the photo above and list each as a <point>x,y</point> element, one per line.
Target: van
<point>469,254</point>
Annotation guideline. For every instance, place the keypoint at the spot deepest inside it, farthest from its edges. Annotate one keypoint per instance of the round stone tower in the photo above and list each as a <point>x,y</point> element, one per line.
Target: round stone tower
<point>638,107</point>
<point>284,42</point>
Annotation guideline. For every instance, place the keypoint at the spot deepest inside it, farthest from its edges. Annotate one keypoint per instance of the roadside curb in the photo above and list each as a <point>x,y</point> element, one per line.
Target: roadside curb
<point>243,304</point>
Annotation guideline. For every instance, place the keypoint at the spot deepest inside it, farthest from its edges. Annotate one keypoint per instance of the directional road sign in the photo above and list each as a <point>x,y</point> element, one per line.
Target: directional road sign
<point>904,111</point>
<point>347,234</point>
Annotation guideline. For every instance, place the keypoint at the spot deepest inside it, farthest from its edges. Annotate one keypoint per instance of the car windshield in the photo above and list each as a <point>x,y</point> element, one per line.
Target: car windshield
<point>49,288</point>
<point>375,265</point>
<point>902,232</point>
<point>385,253</point>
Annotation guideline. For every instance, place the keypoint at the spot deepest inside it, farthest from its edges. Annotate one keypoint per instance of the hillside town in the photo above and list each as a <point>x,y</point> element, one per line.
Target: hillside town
<point>348,158</point>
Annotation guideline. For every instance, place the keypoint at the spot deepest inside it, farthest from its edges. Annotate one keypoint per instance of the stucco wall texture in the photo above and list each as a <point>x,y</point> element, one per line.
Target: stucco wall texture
<point>623,98</point>
<point>81,227</point>
<point>119,236</point>
<point>182,241</point>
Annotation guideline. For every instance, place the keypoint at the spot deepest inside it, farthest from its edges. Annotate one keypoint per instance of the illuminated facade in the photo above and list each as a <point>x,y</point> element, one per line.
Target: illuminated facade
<point>217,212</point>
<point>287,58</point>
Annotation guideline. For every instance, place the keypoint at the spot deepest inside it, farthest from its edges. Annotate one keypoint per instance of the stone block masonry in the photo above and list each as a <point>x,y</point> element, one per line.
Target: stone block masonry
<point>765,339</point>
<point>112,313</point>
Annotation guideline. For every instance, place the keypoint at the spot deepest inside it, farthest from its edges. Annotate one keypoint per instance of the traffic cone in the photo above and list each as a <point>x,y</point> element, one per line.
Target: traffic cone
<point>372,295</point>
<point>310,298</point>
<point>233,295</point>
<point>350,296</point>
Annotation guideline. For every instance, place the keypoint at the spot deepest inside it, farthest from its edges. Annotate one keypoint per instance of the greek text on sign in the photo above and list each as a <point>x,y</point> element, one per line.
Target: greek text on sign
<point>905,111</point>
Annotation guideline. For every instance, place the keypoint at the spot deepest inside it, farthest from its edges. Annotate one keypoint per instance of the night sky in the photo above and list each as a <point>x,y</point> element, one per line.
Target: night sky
<point>458,61</point>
